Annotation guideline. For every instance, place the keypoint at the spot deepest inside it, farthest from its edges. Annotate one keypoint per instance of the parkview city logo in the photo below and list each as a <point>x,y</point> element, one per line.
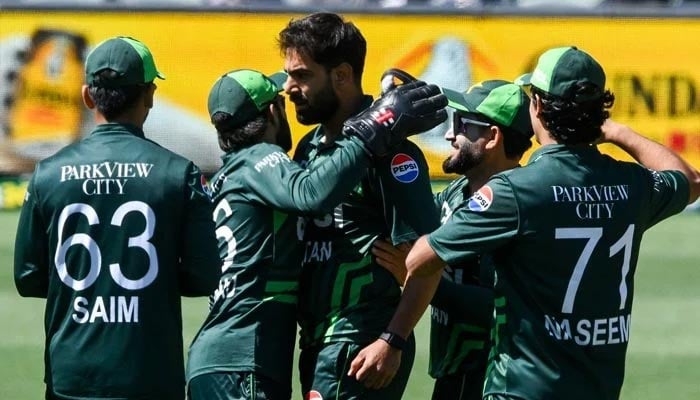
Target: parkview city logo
<point>481,200</point>
<point>404,168</point>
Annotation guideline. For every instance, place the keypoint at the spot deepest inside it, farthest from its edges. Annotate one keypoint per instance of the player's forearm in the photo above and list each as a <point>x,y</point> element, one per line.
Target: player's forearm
<point>651,154</point>
<point>319,190</point>
<point>424,273</point>
<point>31,279</point>
<point>414,301</point>
<point>471,302</point>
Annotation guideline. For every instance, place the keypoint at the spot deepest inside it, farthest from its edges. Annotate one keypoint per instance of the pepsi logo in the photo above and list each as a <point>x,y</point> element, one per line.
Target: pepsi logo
<point>205,185</point>
<point>313,395</point>
<point>481,200</point>
<point>404,168</point>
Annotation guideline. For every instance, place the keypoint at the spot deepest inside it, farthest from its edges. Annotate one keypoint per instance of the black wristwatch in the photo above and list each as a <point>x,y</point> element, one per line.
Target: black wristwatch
<point>394,340</point>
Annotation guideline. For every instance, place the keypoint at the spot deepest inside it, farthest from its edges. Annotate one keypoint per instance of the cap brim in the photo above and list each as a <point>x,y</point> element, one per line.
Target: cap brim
<point>455,99</point>
<point>524,80</point>
<point>279,78</point>
<point>159,75</point>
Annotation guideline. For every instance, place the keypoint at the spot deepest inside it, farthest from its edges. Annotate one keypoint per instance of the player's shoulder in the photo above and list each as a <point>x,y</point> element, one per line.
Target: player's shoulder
<point>456,186</point>
<point>309,138</point>
<point>407,146</point>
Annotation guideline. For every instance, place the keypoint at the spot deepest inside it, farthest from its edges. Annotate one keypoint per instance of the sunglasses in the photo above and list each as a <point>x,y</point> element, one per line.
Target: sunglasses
<point>461,123</point>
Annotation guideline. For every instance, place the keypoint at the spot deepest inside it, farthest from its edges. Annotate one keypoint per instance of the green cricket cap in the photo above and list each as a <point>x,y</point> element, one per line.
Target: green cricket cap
<point>501,102</point>
<point>244,93</point>
<point>126,56</point>
<point>559,69</point>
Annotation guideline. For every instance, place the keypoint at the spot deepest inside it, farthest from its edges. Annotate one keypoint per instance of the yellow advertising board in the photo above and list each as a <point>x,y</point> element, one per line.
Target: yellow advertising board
<point>651,64</point>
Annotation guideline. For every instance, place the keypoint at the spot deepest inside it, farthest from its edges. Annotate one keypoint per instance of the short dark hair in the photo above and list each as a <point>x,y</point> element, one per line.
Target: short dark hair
<point>234,136</point>
<point>328,40</point>
<point>515,144</point>
<point>575,122</point>
<point>114,101</point>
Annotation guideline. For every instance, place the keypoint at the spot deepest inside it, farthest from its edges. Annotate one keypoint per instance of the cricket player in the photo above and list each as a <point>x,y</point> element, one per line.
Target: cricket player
<point>244,350</point>
<point>566,229</point>
<point>113,230</point>
<point>490,131</point>
<point>345,298</point>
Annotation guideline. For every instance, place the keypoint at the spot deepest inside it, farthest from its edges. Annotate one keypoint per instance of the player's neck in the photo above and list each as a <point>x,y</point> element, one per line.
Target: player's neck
<point>131,117</point>
<point>479,175</point>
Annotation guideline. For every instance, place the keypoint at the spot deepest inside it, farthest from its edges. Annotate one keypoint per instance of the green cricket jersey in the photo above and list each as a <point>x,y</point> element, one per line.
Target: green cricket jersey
<point>344,294</point>
<point>113,230</point>
<point>568,227</point>
<point>458,345</point>
<point>252,323</point>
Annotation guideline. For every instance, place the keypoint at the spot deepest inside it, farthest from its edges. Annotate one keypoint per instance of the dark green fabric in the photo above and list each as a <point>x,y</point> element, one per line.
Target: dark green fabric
<point>244,93</point>
<point>569,206</point>
<point>129,58</point>
<point>325,370</point>
<point>462,307</point>
<point>115,331</point>
<point>235,386</point>
<point>251,326</point>
<point>465,386</point>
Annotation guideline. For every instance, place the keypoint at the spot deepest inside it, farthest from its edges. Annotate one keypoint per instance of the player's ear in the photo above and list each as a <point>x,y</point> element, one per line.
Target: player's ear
<point>493,136</point>
<point>87,100</point>
<point>342,74</point>
<point>150,92</point>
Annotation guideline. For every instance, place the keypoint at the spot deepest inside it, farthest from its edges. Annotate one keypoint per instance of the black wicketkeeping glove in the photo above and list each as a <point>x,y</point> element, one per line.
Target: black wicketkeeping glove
<point>404,110</point>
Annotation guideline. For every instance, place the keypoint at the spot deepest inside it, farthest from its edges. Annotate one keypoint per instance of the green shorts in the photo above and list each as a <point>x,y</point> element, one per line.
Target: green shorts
<point>236,386</point>
<point>459,387</point>
<point>324,373</point>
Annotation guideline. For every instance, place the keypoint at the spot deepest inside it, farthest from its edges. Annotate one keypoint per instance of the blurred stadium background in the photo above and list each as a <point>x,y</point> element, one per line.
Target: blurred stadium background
<point>650,51</point>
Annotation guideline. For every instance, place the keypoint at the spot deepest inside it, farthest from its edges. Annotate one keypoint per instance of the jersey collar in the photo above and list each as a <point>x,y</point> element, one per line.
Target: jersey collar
<point>552,149</point>
<point>115,128</point>
<point>318,131</point>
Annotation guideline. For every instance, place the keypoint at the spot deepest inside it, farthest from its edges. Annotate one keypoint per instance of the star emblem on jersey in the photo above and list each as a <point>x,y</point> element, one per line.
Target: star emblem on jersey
<point>404,168</point>
<point>481,200</point>
<point>384,116</point>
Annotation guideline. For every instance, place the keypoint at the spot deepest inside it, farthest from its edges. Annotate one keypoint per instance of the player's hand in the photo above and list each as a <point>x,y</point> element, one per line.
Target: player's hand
<point>376,365</point>
<point>404,110</point>
<point>392,258</point>
<point>611,130</point>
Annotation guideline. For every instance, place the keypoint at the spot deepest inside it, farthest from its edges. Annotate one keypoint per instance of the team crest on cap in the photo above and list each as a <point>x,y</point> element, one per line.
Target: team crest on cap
<point>404,168</point>
<point>313,395</point>
<point>481,200</point>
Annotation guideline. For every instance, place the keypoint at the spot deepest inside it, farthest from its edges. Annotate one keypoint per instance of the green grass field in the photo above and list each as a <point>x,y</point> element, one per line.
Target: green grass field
<point>663,361</point>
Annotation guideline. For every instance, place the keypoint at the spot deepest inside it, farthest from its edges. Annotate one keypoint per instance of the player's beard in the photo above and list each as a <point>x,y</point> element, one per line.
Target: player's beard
<point>319,109</point>
<point>466,159</point>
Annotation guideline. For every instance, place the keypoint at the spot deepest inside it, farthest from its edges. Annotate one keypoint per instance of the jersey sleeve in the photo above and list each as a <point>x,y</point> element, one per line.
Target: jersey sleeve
<point>480,224</point>
<point>288,187</point>
<point>669,195</point>
<point>408,197</point>
<point>200,265</point>
<point>31,262</point>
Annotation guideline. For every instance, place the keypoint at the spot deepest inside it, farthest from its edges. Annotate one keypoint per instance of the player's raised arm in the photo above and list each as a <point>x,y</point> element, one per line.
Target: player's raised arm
<point>651,154</point>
